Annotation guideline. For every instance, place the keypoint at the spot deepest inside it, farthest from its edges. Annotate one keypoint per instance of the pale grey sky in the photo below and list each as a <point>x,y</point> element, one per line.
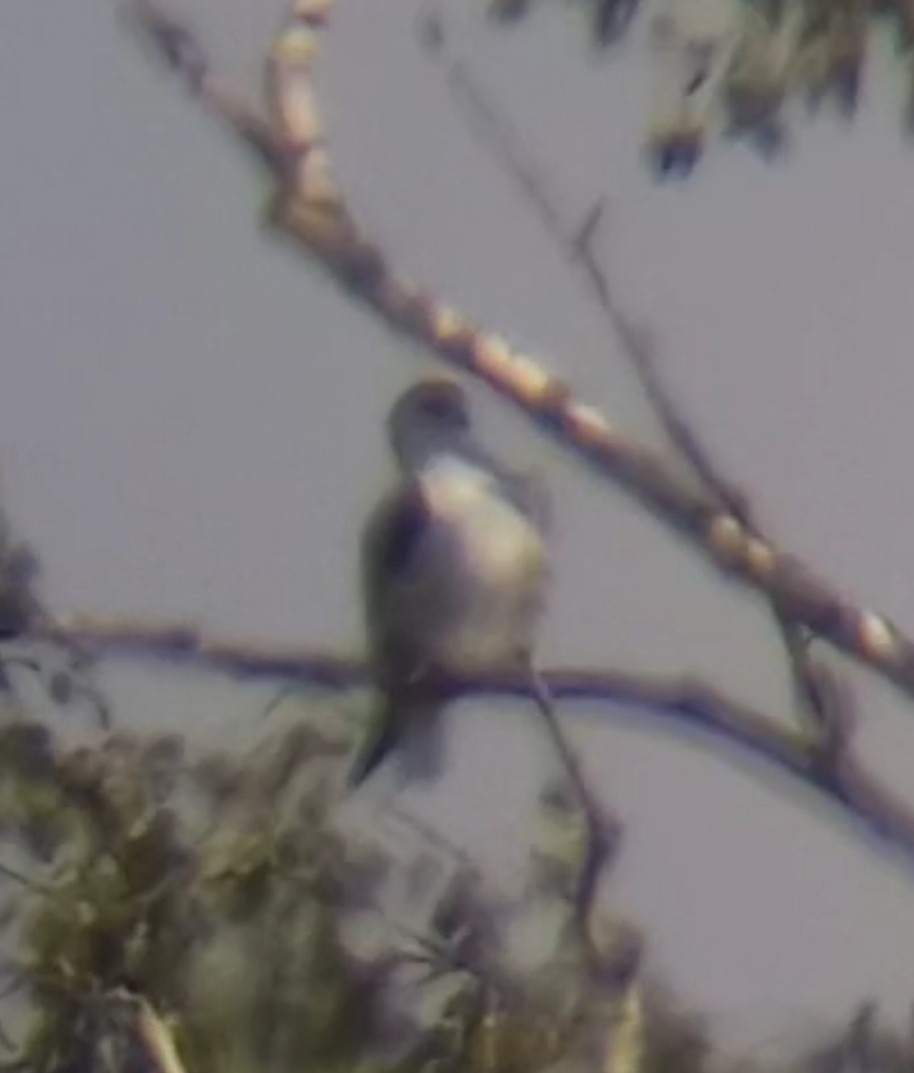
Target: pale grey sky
<point>190,426</point>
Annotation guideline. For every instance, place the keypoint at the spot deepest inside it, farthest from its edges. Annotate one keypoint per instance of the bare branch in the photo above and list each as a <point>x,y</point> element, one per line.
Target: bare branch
<point>821,761</point>
<point>603,831</point>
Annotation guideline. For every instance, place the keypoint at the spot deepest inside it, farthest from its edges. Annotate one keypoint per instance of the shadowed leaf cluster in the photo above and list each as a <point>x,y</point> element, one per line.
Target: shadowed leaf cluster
<point>743,76</point>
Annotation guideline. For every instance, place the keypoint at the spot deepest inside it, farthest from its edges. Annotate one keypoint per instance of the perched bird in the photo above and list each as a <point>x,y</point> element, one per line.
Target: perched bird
<point>454,567</point>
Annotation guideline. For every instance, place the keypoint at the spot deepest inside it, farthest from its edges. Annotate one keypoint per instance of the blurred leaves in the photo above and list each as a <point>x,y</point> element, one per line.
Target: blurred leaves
<point>745,68</point>
<point>171,912</point>
<point>220,890</point>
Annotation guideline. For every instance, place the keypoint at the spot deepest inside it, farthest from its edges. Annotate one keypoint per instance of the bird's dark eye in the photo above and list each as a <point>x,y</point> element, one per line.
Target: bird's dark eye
<point>444,407</point>
<point>437,406</point>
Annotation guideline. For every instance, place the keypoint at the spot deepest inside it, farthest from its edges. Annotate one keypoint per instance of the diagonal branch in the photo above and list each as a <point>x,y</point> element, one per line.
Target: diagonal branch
<point>310,209</point>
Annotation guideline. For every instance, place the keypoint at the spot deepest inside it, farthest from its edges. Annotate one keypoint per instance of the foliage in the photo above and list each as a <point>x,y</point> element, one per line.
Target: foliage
<point>216,912</point>
<point>739,68</point>
<point>221,891</point>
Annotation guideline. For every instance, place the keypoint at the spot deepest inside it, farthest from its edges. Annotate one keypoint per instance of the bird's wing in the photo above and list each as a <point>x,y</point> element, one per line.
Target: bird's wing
<point>392,535</point>
<point>529,492</point>
<point>381,737</point>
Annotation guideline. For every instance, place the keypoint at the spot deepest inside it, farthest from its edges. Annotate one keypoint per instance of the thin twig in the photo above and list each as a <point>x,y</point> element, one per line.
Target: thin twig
<point>602,831</point>
<point>25,880</point>
<point>506,146</point>
<point>436,839</point>
<point>635,345</point>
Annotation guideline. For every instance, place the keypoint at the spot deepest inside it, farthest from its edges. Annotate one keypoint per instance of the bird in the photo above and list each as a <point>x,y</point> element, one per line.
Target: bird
<point>454,570</point>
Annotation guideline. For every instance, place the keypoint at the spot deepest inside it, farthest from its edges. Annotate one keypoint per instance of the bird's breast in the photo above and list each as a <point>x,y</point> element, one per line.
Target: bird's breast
<point>496,541</point>
<point>490,564</point>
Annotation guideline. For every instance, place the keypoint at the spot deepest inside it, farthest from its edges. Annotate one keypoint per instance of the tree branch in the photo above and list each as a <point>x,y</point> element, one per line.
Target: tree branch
<point>603,831</point>
<point>310,209</point>
<point>823,763</point>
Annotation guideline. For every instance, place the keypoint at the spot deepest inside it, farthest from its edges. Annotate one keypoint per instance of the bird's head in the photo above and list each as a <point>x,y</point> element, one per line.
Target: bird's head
<point>431,416</point>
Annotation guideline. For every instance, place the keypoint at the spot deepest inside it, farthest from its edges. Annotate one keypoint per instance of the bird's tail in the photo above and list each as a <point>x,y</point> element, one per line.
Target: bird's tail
<point>422,754</point>
<point>410,729</point>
